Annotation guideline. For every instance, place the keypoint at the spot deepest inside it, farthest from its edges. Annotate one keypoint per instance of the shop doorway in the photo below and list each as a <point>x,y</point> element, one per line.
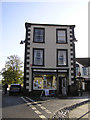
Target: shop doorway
<point>62,86</point>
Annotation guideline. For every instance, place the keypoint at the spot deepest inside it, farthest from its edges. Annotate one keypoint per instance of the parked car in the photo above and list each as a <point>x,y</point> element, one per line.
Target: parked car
<point>15,88</point>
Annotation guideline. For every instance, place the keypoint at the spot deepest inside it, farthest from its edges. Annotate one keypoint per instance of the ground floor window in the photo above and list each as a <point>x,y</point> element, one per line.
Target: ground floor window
<point>46,81</point>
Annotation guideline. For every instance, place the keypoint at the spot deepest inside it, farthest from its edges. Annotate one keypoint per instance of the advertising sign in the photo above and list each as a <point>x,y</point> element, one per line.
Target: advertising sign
<point>46,92</point>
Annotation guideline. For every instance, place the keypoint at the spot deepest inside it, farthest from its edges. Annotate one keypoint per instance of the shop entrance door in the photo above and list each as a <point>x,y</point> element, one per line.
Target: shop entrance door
<point>62,85</point>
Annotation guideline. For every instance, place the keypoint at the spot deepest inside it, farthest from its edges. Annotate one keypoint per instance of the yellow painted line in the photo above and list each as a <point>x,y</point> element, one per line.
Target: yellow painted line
<point>38,112</point>
<point>47,111</point>
<point>28,103</point>
<point>42,116</point>
<point>42,107</point>
<point>39,104</point>
<point>33,108</point>
<point>35,102</point>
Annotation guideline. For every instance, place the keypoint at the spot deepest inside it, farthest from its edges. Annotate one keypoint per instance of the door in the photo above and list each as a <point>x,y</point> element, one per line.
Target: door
<point>62,86</point>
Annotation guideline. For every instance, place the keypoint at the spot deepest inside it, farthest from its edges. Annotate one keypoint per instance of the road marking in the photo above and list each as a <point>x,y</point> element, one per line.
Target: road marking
<point>42,116</point>
<point>47,111</point>
<point>29,103</point>
<point>34,108</point>
<point>29,99</point>
<point>35,102</point>
<point>42,107</point>
<point>38,112</point>
<point>39,104</point>
<point>24,99</point>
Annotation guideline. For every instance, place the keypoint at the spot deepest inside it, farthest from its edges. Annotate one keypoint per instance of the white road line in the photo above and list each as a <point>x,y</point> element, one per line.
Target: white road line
<point>30,99</point>
<point>24,99</point>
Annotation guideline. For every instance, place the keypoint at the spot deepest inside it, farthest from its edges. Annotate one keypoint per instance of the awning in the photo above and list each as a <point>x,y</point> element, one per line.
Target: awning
<point>84,61</point>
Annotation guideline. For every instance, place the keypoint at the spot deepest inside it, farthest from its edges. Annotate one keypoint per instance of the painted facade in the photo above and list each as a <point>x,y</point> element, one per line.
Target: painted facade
<point>83,66</point>
<point>49,57</point>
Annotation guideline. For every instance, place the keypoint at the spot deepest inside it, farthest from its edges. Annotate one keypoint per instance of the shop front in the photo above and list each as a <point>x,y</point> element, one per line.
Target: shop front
<point>53,81</point>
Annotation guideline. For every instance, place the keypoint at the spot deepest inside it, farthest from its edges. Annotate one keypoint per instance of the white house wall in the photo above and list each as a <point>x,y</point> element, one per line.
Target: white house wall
<point>50,47</point>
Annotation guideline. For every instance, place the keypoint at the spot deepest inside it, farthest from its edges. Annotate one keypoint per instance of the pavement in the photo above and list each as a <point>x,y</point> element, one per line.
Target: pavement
<point>77,111</point>
<point>81,112</point>
<point>79,108</point>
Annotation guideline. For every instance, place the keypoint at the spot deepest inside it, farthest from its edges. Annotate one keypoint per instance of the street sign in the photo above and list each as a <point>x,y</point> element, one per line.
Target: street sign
<point>79,74</point>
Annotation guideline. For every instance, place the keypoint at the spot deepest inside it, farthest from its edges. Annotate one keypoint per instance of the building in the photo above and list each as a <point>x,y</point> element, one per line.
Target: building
<point>83,67</point>
<point>49,58</point>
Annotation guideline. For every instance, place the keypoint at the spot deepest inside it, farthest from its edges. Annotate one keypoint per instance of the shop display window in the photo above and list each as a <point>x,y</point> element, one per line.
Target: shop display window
<point>44,82</point>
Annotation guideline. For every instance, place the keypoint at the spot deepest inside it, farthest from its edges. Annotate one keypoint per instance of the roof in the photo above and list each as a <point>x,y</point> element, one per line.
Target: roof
<point>83,61</point>
<point>29,24</point>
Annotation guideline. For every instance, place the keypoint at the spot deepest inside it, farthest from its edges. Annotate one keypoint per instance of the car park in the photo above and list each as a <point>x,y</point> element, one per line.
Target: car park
<point>15,88</point>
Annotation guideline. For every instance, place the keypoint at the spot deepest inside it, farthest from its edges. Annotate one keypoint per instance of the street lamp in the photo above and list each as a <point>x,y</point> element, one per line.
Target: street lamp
<point>80,84</point>
<point>74,39</point>
<point>22,42</point>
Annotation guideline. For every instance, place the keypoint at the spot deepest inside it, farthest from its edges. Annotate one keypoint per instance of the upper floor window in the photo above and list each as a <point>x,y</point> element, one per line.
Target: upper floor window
<point>38,56</point>
<point>61,36</point>
<point>62,57</point>
<point>39,35</point>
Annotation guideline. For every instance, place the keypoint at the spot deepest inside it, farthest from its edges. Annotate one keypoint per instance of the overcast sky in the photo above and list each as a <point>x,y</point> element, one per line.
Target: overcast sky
<point>15,14</point>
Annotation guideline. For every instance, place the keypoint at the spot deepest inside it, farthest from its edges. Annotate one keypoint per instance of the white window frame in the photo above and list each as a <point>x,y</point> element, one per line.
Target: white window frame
<point>38,57</point>
<point>62,55</point>
<point>61,36</point>
<point>39,34</point>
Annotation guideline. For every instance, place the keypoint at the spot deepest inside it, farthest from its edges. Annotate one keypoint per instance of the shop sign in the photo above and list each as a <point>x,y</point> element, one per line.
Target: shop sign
<point>46,92</point>
<point>79,74</point>
<point>62,70</point>
<point>40,70</point>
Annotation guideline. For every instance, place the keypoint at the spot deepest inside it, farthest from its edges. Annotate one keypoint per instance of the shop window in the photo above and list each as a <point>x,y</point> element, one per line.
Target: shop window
<point>44,82</point>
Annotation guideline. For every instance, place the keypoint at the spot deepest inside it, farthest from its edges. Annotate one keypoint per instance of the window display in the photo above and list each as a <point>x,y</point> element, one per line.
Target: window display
<point>44,82</point>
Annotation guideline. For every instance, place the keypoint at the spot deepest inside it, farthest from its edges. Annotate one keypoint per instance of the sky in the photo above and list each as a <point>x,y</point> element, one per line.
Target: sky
<point>14,14</point>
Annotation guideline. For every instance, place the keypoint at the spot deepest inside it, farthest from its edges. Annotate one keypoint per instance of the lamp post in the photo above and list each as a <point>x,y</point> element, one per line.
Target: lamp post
<point>80,84</point>
<point>24,42</point>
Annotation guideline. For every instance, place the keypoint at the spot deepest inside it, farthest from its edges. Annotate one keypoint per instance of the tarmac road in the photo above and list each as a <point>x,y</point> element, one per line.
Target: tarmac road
<point>15,107</point>
<point>18,107</point>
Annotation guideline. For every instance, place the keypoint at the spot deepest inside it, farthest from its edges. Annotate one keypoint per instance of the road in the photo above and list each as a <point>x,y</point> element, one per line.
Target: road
<point>18,107</point>
<point>15,107</point>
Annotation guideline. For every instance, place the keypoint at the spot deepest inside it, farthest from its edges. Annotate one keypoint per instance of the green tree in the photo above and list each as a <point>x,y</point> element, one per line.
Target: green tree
<point>12,73</point>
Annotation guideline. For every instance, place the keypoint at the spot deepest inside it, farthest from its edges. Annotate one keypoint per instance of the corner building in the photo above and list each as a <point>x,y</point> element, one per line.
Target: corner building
<point>49,58</point>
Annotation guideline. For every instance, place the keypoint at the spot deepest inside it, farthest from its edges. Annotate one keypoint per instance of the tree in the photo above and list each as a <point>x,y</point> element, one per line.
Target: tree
<point>12,73</point>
